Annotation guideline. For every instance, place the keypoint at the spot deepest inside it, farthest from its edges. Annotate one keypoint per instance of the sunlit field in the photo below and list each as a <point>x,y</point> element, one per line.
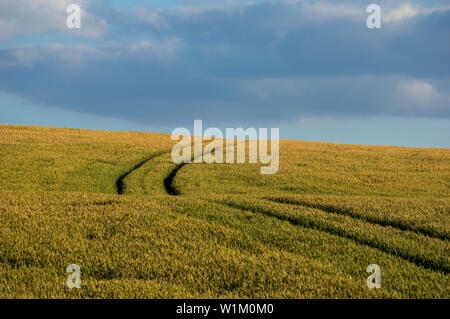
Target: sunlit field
<point>140,226</point>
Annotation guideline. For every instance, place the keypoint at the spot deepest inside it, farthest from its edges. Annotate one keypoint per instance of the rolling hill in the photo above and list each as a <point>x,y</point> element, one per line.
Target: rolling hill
<point>140,226</point>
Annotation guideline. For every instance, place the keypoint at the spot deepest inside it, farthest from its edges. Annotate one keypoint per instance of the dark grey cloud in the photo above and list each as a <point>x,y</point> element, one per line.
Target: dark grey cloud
<point>275,61</point>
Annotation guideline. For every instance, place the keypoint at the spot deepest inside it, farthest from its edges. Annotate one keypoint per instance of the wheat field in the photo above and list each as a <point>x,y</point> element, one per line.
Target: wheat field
<point>140,226</point>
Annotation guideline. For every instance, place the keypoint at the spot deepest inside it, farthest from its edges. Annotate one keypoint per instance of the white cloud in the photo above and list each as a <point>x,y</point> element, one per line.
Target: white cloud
<point>152,18</point>
<point>328,11</point>
<point>160,49</point>
<point>418,90</point>
<point>404,11</point>
<point>71,54</point>
<point>408,11</point>
<point>419,96</point>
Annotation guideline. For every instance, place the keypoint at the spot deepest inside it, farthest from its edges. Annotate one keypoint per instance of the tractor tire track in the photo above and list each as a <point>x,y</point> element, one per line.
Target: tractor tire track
<point>368,219</point>
<point>120,182</point>
<point>419,260</point>
<point>440,265</point>
<point>168,181</point>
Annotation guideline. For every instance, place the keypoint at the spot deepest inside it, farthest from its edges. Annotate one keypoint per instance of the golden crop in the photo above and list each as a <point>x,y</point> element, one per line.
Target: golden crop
<point>101,200</point>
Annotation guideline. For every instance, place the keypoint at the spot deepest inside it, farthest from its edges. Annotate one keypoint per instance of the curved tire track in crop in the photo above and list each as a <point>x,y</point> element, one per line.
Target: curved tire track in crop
<point>368,219</point>
<point>120,182</point>
<point>418,260</point>
<point>168,181</point>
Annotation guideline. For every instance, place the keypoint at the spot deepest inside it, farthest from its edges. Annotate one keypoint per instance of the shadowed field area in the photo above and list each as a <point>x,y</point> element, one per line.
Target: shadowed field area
<point>141,226</point>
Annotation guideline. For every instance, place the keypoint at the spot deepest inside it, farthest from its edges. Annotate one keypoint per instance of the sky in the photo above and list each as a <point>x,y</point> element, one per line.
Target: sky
<point>311,68</point>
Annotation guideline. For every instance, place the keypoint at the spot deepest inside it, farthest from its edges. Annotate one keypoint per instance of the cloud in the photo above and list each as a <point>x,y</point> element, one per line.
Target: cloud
<point>151,17</point>
<point>420,97</point>
<point>265,61</point>
<point>409,10</point>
